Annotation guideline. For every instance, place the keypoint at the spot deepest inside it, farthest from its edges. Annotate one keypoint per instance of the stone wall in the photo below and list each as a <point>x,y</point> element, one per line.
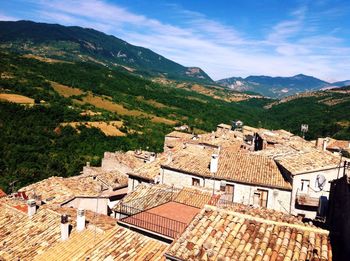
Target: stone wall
<point>278,199</point>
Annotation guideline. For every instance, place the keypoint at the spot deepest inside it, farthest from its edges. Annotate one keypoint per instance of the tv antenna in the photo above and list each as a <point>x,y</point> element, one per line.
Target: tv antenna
<point>304,129</point>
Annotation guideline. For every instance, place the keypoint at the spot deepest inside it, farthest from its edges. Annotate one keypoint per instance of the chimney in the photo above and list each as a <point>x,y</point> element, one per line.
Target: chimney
<point>31,207</point>
<point>214,163</point>
<point>170,157</point>
<point>152,157</point>
<point>88,164</point>
<point>64,227</point>
<point>80,219</point>
<point>325,143</point>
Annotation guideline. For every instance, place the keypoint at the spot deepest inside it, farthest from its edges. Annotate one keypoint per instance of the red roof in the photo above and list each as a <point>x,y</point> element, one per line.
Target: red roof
<point>23,208</point>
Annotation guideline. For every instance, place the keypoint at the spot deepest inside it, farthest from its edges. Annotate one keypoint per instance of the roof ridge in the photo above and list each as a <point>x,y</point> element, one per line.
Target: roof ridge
<point>266,221</point>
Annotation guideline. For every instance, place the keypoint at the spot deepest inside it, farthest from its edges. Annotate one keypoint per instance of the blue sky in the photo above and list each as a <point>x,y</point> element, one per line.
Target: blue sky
<point>225,38</point>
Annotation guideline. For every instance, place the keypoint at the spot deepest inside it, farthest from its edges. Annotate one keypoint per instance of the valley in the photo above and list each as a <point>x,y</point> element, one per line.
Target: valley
<point>90,104</point>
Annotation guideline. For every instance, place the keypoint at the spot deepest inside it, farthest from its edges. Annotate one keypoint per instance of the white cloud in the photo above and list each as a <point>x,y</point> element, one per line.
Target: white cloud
<point>294,45</point>
<point>4,17</point>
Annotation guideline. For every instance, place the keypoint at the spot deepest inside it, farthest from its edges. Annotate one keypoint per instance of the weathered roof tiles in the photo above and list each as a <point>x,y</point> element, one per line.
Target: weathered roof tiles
<point>217,234</point>
<point>232,166</point>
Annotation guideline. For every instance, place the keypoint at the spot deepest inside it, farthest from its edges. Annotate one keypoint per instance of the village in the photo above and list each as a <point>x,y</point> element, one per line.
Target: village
<point>236,193</point>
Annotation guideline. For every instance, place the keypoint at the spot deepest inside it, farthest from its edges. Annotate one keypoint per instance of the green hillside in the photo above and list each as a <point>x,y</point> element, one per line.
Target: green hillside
<point>69,82</point>
<point>82,44</point>
<point>31,149</point>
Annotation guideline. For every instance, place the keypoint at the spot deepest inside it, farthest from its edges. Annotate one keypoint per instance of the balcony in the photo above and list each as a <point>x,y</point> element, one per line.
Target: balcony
<point>304,199</point>
<point>165,214</point>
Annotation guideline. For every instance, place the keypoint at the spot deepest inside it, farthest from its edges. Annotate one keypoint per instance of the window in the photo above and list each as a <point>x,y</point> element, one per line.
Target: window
<point>195,182</point>
<point>260,198</point>
<point>305,183</point>
<point>229,192</point>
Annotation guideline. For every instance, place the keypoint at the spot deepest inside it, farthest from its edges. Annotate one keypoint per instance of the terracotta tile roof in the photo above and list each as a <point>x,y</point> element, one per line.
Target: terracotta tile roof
<point>55,190</point>
<point>277,150</point>
<point>262,212</point>
<point>116,244</point>
<point>23,237</point>
<point>339,144</point>
<point>225,138</point>
<point>38,238</point>
<point>102,222</point>
<point>180,135</point>
<point>195,197</point>
<point>150,170</point>
<point>130,159</point>
<point>218,234</point>
<point>232,166</point>
<point>146,196</point>
<point>313,160</point>
<point>2,193</point>
<point>224,126</point>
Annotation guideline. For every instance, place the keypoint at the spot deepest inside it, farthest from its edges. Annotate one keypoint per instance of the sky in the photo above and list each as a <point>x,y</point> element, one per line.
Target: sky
<point>224,38</point>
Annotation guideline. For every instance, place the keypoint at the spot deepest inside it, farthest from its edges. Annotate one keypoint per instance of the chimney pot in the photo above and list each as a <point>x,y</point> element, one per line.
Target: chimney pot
<point>80,220</point>
<point>31,207</point>
<point>64,227</point>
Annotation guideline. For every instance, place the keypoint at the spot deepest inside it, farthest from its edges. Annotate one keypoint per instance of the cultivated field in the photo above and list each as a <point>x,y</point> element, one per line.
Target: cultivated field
<point>65,91</point>
<point>110,128</point>
<point>106,104</point>
<point>43,59</point>
<point>16,98</point>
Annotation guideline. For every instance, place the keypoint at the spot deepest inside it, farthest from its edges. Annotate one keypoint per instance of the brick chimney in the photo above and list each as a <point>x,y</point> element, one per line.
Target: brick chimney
<point>31,205</point>
<point>64,227</point>
<point>80,219</point>
<point>214,162</point>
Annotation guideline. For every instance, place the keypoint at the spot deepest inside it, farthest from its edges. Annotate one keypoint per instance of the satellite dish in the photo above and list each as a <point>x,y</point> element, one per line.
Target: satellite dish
<point>320,181</point>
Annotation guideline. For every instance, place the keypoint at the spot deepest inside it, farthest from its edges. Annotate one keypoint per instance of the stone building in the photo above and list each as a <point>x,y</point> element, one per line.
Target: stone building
<point>245,178</point>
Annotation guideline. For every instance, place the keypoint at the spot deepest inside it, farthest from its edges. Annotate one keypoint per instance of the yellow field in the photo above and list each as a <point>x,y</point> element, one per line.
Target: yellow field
<point>106,103</point>
<point>44,59</point>
<point>16,98</point>
<point>64,90</point>
<point>110,128</point>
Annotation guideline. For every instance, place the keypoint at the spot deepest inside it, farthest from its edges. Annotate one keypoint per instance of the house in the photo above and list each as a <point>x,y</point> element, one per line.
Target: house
<point>244,177</point>
<point>223,127</point>
<point>333,145</point>
<point>309,171</point>
<point>221,234</point>
<point>175,140</point>
<point>160,210</point>
<point>146,174</point>
<point>50,235</point>
<point>123,162</point>
<point>95,190</point>
<point>197,224</point>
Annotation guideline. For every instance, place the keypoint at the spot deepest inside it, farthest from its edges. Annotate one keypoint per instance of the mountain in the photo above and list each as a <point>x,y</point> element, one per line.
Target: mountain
<point>276,87</point>
<point>38,140</point>
<point>340,84</point>
<point>82,44</point>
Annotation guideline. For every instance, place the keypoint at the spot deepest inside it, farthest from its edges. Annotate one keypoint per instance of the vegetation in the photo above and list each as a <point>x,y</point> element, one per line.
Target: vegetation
<point>81,44</point>
<point>32,148</point>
